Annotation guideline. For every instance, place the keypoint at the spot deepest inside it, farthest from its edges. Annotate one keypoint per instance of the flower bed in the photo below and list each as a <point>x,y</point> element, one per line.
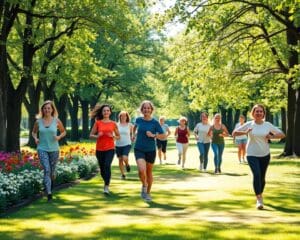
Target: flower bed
<point>21,174</point>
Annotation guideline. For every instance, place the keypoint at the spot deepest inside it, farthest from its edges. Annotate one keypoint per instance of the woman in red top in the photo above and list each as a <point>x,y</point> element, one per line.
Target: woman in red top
<point>182,134</point>
<point>105,131</point>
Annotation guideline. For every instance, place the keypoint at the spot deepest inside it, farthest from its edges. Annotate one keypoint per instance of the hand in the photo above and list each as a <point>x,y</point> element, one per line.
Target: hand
<point>269,136</point>
<point>57,138</point>
<point>150,134</point>
<point>37,141</point>
<point>100,134</point>
<point>248,130</point>
<point>110,134</point>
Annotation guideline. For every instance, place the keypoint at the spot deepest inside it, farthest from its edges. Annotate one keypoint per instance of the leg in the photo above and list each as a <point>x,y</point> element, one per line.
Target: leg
<point>221,150</point>
<point>184,150</point>
<point>141,165</point>
<point>109,156</point>
<point>201,151</point>
<point>44,159</point>
<point>53,157</point>
<point>159,155</point>
<point>101,162</point>
<point>240,152</point>
<point>180,150</point>
<point>149,167</point>
<point>215,149</point>
<point>206,149</point>
<point>121,166</point>
<point>164,149</point>
<point>264,163</point>
<point>255,169</point>
<point>243,151</point>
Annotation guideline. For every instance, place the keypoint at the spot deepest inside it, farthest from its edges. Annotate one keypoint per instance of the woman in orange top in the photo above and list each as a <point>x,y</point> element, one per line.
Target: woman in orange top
<point>105,131</point>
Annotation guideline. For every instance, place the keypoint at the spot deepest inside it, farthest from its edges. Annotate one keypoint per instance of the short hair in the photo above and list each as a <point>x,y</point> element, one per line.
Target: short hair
<point>242,116</point>
<point>54,110</point>
<point>146,102</point>
<point>97,111</point>
<point>162,118</point>
<point>204,113</point>
<point>257,106</point>
<point>127,116</point>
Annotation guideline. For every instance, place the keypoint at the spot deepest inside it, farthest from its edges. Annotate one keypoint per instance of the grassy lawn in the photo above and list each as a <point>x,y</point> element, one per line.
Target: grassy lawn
<point>187,204</point>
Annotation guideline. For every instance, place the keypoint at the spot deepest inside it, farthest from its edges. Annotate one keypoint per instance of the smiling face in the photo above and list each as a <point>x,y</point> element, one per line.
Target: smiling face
<point>217,118</point>
<point>47,110</point>
<point>123,118</point>
<point>106,112</point>
<point>258,113</point>
<point>204,118</point>
<point>147,109</point>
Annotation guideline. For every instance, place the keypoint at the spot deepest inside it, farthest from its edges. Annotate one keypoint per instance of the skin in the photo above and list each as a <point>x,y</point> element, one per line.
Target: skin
<point>241,147</point>
<point>204,120</point>
<point>106,114</point>
<point>162,122</point>
<point>47,112</point>
<point>124,159</point>
<point>145,168</point>
<point>258,116</point>
<point>218,125</point>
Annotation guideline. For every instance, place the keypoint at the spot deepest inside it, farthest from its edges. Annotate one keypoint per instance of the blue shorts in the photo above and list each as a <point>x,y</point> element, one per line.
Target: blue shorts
<point>123,151</point>
<point>148,156</point>
<point>240,141</point>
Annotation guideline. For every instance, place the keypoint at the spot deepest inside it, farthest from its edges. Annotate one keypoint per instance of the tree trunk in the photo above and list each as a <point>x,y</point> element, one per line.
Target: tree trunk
<point>297,124</point>
<point>269,116</point>
<point>223,116</point>
<point>14,111</point>
<point>289,144</point>
<point>8,14</point>
<point>85,119</point>
<point>61,105</point>
<point>3,96</point>
<point>292,145</point>
<point>230,123</point>
<point>73,111</point>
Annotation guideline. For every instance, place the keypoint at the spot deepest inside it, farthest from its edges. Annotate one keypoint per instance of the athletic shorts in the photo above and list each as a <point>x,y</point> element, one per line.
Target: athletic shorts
<point>240,141</point>
<point>148,156</point>
<point>161,145</point>
<point>123,151</point>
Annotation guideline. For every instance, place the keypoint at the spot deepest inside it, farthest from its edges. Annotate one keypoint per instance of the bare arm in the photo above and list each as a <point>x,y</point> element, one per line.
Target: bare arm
<point>61,129</point>
<point>117,133</point>
<point>35,131</point>
<point>93,133</point>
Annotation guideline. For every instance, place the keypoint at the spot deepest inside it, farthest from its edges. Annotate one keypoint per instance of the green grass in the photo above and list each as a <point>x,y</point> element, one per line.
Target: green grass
<point>186,205</point>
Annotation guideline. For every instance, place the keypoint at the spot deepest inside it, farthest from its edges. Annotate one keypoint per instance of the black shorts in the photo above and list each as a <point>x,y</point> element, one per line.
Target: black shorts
<point>123,151</point>
<point>161,145</point>
<point>148,156</point>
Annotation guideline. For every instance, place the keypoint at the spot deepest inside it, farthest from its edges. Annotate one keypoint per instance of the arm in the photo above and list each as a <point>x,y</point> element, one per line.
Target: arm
<point>34,132</point>
<point>168,132</point>
<point>116,132</point>
<point>188,132</point>
<point>61,129</point>
<point>93,133</point>
<point>225,131</point>
<point>176,133</point>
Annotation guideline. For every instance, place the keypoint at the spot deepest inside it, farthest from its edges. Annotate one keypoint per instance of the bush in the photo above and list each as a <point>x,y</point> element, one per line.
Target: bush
<point>15,186</point>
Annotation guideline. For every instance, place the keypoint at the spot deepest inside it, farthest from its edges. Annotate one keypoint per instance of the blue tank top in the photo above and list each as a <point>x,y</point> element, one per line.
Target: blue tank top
<point>47,135</point>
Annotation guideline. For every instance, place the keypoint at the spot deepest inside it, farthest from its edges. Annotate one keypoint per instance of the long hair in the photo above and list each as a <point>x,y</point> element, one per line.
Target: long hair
<point>96,113</point>
<point>217,114</point>
<point>127,116</point>
<point>54,110</point>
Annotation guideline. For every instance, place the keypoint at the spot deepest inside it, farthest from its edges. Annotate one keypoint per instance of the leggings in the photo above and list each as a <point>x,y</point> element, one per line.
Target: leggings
<point>259,167</point>
<point>105,159</point>
<point>48,161</point>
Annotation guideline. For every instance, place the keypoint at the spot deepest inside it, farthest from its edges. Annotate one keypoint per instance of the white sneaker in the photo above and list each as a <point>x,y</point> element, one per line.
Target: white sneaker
<point>259,204</point>
<point>201,167</point>
<point>148,197</point>
<point>144,192</point>
<point>106,190</point>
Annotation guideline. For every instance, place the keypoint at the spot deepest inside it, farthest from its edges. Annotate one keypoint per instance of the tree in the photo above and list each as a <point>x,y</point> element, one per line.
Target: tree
<point>259,41</point>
